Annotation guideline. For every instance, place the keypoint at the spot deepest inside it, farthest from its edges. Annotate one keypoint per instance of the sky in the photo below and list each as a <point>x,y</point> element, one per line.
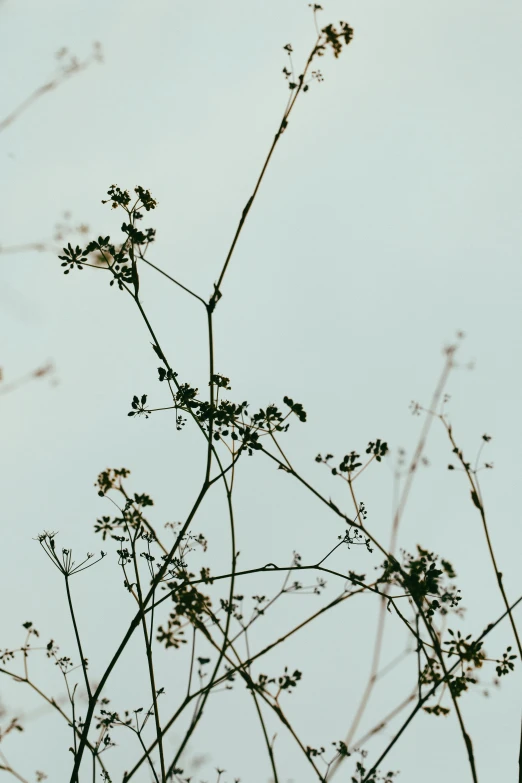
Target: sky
<point>388,221</point>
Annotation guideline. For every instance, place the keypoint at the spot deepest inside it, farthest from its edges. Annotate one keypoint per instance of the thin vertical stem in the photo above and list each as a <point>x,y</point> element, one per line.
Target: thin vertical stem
<point>150,663</point>
<point>477,501</point>
<point>78,642</point>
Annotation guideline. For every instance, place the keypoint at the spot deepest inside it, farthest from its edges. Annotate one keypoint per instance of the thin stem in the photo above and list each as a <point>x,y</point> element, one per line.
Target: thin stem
<point>520,756</point>
<point>261,719</point>
<point>43,89</point>
<point>211,388</point>
<point>467,739</point>
<point>384,721</point>
<point>6,767</point>
<point>150,664</point>
<point>437,394</point>
<point>34,374</point>
<point>227,622</point>
<point>191,659</point>
<point>399,507</point>
<point>173,280</point>
<point>418,657</point>
<point>477,501</point>
<point>265,735</point>
<point>147,756</point>
<point>277,569</point>
<point>73,709</point>
<point>282,125</point>
<point>371,679</point>
<point>78,642</point>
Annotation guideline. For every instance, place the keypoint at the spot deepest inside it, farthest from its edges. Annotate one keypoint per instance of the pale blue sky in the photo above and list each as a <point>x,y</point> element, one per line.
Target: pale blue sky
<point>389,219</point>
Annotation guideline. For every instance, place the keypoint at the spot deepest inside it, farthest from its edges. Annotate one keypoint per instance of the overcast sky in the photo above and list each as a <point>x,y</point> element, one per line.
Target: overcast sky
<point>389,219</point>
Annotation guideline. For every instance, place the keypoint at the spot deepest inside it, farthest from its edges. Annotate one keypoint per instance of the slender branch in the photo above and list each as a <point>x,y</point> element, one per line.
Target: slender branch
<point>74,68</point>
<point>147,756</point>
<point>150,663</point>
<point>230,602</point>
<point>6,767</point>
<point>77,636</point>
<point>477,501</point>
<point>430,693</point>
<point>467,739</point>
<point>437,394</point>
<point>50,702</point>
<point>520,756</point>
<point>282,125</point>
<point>262,721</point>
<point>39,372</point>
<point>173,280</point>
<point>384,721</point>
<point>399,508</point>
